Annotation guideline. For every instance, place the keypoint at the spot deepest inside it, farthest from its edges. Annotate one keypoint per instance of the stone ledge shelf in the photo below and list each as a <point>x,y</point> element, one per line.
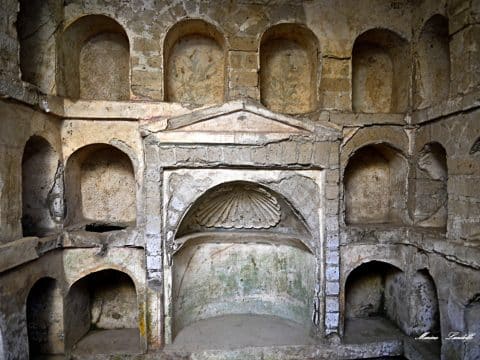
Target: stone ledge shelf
<point>135,110</point>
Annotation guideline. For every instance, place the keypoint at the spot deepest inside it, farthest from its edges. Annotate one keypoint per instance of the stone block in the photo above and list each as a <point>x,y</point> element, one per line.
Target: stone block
<point>332,257</point>
<point>331,192</point>
<point>166,156</point>
<point>305,151</point>
<point>243,78</point>
<point>154,262</point>
<point>331,320</point>
<point>152,225</point>
<point>332,239</point>
<point>243,43</point>
<point>332,304</point>
<point>146,45</point>
<point>332,288</point>
<point>331,207</point>
<point>332,273</point>
<point>331,223</point>
<point>336,84</point>
<point>289,152</point>
<point>332,176</point>
<point>336,68</point>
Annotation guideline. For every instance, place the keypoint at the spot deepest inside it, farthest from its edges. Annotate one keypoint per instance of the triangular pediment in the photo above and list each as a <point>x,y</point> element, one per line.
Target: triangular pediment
<point>238,116</point>
<point>241,121</point>
<point>238,122</point>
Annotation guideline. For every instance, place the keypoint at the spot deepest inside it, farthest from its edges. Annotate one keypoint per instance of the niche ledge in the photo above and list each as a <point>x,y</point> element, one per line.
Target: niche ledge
<point>78,237</point>
<point>447,107</point>
<point>389,234</point>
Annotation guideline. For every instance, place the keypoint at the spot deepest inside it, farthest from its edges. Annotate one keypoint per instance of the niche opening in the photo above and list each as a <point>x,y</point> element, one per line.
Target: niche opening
<point>424,306</point>
<point>40,196</point>
<point>373,302</point>
<point>380,72</point>
<point>37,23</point>
<point>375,183</point>
<point>432,76</point>
<point>45,319</point>
<point>194,53</point>
<point>288,69</point>
<point>96,60</point>
<point>102,315</point>
<point>242,267</point>
<point>101,188</point>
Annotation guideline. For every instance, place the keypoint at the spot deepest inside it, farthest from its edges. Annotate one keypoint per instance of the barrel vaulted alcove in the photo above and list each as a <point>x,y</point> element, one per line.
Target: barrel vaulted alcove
<point>41,188</point>
<point>380,72</point>
<point>432,63</point>
<point>372,309</point>
<point>243,274</point>
<point>194,63</point>
<point>100,189</point>
<point>44,307</point>
<point>374,183</point>
<point>95,60</point>
<point>102,314</point>
<point>288,69</point>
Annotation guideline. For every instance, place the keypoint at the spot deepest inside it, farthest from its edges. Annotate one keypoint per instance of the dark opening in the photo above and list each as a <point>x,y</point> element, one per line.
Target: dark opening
<point>101,228</point>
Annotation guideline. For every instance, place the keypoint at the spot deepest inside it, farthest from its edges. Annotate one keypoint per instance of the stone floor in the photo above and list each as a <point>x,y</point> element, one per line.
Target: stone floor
<point>118,341</point>
<point>239,337</point>
<point>377,329</point>
<point>238,331</point>
<point>367,330</point>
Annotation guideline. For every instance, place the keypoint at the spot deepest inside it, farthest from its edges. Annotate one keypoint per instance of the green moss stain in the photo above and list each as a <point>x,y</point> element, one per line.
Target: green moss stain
<point>233,278</point>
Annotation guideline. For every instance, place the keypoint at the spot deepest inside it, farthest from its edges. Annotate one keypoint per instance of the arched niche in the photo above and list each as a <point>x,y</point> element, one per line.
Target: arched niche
<point>242,262</point>
<point>101,189</point>
<point>374,186</point>
<point>432,60</point>
<point>96,59</point>
<point>37,23</point>
<point>42,188</point>
<point>380,72</point>
<point>373,300</point>
<point>288,69</point>
<point>424,306</point>
<point>431,196</point>
<point>101,313</point>
<point>194,63</point>
<point>45,319</point>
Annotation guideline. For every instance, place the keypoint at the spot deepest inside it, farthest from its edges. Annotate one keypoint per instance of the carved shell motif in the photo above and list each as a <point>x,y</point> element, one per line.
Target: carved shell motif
<point>239,206</point>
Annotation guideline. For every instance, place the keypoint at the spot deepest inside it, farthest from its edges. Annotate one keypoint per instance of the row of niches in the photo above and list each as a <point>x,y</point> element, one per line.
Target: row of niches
<point>102,304</point>
<point>378,178</point>
<point>99,179</point>
<point>382,302</point>
<point>199,67</point>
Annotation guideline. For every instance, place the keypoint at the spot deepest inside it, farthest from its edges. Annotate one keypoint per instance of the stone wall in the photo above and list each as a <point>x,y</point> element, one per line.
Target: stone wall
<point>361,118</point>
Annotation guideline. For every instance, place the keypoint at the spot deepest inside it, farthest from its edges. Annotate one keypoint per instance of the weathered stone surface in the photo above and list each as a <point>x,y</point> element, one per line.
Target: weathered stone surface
<point>121,122</point>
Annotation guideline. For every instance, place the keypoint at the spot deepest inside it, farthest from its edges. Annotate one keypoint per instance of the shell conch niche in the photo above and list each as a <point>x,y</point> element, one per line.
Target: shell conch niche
<point>239,207</point>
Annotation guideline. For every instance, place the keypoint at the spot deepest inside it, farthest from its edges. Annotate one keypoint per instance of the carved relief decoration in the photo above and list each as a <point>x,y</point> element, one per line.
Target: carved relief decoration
<point>239,206</point>
<point>195,71</point>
